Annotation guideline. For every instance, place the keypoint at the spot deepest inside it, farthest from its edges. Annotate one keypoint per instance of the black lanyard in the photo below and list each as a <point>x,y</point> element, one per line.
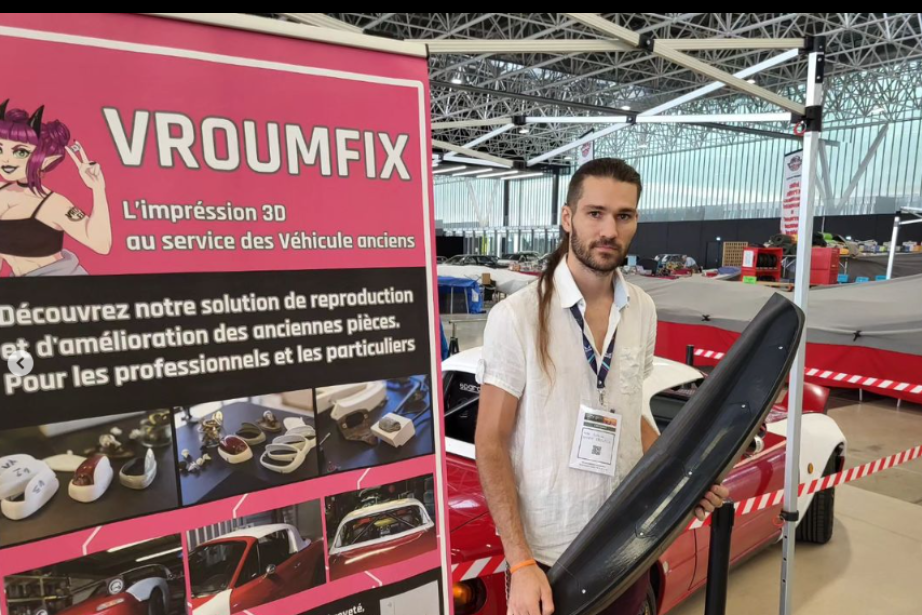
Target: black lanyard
<point>601,373</point>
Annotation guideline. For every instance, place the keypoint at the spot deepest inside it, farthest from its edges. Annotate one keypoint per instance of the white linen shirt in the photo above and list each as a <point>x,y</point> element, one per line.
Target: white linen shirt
<point>555,501</point>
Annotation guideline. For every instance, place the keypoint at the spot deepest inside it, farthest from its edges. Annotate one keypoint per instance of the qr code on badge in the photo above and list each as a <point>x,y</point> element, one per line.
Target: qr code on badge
<point>596,451</point>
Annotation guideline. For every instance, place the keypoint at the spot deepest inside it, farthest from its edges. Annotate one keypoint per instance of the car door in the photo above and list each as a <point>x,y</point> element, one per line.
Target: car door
<point>299,571</point>
<point>270,578</point>
<point>250,589</point>
<point>752,477</point>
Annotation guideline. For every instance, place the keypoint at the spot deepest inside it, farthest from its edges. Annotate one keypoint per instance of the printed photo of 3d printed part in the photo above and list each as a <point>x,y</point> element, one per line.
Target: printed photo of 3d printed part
<point>60,478</point>
<point>374,423</point>
<point>239,446</point>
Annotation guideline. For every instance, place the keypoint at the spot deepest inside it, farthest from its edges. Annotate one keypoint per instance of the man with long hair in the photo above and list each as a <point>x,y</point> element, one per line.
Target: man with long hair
<point>567,353</point>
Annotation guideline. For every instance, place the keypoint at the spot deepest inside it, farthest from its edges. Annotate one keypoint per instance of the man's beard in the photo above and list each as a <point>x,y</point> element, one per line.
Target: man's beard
<point>601,264</point>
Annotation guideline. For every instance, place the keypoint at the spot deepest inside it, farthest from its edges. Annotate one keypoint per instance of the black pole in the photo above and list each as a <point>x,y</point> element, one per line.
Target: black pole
<point>690,356</point>
<point>507,204</point>
<point>719,560</point>
<point>453,346</point>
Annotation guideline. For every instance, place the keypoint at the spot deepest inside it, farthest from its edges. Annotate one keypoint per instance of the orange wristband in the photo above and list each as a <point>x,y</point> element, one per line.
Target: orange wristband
<point>523,565</point>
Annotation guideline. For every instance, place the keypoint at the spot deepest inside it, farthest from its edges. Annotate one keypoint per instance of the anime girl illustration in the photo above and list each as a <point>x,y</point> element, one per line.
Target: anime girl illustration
<point>35,219</point>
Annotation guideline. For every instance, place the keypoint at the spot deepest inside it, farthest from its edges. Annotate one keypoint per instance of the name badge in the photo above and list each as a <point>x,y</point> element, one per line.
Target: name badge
<point>596,442</point>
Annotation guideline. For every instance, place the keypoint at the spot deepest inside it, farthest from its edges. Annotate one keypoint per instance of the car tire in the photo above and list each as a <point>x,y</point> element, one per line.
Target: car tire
<point>156,604</point>
<point>818,524</point>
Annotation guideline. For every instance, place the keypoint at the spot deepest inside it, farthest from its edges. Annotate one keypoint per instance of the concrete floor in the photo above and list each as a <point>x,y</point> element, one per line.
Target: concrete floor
<point>877,429</point>
<point>873,565</point>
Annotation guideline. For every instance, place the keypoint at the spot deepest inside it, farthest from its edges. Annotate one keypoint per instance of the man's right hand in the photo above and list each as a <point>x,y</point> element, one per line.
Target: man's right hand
<point>530,593</point>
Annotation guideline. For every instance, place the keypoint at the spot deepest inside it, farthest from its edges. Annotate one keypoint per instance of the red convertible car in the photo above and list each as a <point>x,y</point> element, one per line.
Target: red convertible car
<point>142,591</point>
<point>253,566</point>
<point>477,556</point>
<point>381,535</point>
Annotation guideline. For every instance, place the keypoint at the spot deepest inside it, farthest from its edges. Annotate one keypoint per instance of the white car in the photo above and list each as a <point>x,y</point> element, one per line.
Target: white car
<point>518,258</point>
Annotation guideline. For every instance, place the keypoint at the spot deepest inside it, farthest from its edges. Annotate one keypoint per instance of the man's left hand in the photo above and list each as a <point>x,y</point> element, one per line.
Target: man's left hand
<point>714,499</point>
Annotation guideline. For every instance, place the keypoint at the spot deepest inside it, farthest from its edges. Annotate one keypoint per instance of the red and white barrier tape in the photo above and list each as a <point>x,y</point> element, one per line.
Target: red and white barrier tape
<point>710,354</point>
<point>866,383</point>
<point>486,567</point>
<point>494,565</point>
<point>770,500</point>
<point>837,377</point>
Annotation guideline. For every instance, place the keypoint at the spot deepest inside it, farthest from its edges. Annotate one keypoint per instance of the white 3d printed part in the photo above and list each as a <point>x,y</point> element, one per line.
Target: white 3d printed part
<point>374,394</point>
<point>139,482</point>
<point>39,491</point>
<point>8,462</point>
<point>251,434</point>
<point>328,396</point>
<point>293,422</point>
<point>92,480</point>
<point>304,431</point>
<point>235,450</point>
<point>68,463</point>
<point>394,429</point>
<point>15,473</point>
<point>284,458</point>
<point>300,442</point>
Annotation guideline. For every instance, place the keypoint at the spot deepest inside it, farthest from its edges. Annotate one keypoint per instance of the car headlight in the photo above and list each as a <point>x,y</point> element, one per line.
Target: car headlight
<point>116,586</point>
<point>469,596</point>
<point>108,605</point>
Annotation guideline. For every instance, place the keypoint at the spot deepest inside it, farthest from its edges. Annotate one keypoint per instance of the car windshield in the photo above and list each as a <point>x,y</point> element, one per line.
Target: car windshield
<point>212,567</point>
<point>381,525</point>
